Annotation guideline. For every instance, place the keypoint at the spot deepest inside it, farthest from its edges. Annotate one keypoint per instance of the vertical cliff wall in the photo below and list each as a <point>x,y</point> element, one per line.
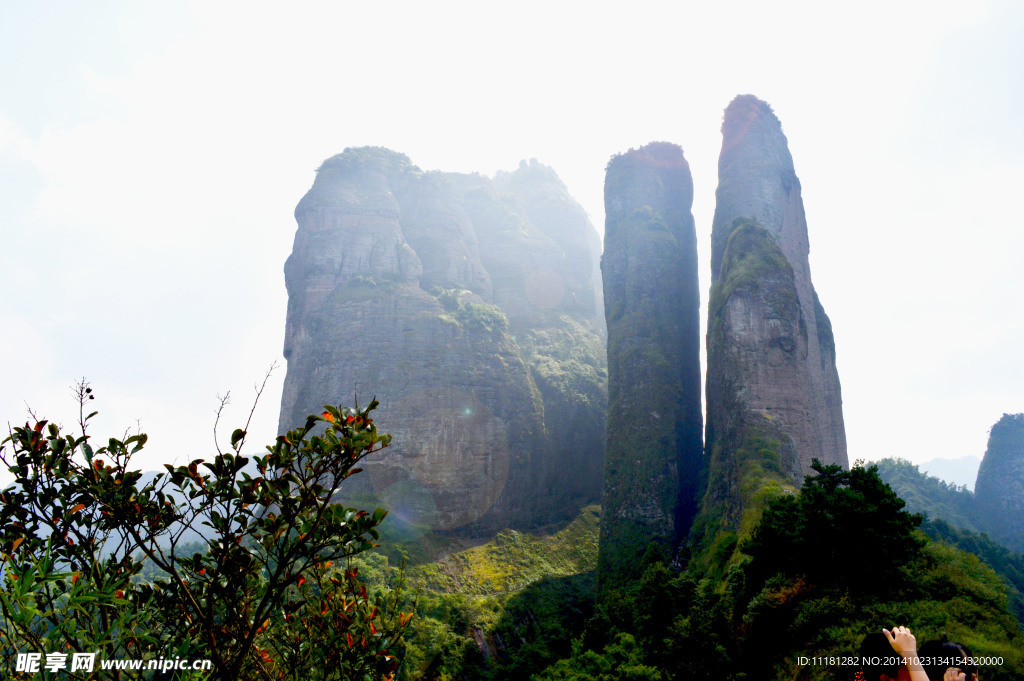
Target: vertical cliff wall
<point>773,395</point>
<point>467,306</point>
<point>999,489</point>
<point>651,296</point>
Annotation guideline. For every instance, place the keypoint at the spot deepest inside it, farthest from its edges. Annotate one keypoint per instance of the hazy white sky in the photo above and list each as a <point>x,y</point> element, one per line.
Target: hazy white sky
<point>151,156</point>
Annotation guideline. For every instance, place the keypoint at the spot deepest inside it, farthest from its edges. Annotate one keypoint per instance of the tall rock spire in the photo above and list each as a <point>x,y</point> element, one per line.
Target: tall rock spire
<point>467,306</point>
<point>651,294</point>
<point>772,386</point>
<point>999,490</point>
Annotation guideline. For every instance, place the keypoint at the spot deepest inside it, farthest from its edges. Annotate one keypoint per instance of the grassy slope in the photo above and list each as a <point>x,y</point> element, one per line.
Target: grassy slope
<point>512,560</point>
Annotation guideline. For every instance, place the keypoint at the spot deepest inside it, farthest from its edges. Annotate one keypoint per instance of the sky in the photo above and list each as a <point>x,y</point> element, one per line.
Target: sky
<point>151,156</point>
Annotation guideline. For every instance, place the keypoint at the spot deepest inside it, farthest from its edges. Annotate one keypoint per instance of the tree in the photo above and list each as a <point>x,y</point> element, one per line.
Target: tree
<point>841,529</point>
<point>268,596</point>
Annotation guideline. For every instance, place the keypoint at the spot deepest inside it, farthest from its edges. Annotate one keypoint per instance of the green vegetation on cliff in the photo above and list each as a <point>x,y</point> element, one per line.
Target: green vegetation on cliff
<point>819,569</point>
<point>500,610</point>
<point>743,481</point>
<point>807,573</point>
<point>568,358</point>
<point>753,264</point>
<point>1006,563</point>
<point>463,311</point>
<point>512,560</point>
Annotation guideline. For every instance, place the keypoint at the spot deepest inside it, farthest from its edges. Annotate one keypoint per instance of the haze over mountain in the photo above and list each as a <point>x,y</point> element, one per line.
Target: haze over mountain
<point>959,471</point>
<point>995,506</point>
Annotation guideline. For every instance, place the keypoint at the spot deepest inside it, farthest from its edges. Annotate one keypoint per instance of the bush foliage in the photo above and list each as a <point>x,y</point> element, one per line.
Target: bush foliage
<point>270,596</point>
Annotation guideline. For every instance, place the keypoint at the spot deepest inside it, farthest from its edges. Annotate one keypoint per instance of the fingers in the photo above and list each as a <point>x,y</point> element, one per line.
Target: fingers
<point>901,639</point>
<point>954,674</point>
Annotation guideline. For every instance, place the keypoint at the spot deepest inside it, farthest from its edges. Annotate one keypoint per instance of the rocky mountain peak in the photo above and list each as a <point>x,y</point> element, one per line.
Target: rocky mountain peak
<point>773,390</point>
<point>999,490</point>
<point>468,306</point>
<point>651,295</point>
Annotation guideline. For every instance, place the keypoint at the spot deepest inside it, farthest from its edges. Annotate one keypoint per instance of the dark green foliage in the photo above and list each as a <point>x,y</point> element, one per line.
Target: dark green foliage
<point>455,636</point>
<point>546,616</point>
<point>1006,563</point>
<point>843,558</point>
<point>840,526</point>
<point>622,660</point>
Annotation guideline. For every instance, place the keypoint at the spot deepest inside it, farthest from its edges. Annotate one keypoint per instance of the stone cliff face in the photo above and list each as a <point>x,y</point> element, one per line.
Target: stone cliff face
<point>468,307</point>
<point>649,269</point>
<point>999,490</point>
<point>772,387</point>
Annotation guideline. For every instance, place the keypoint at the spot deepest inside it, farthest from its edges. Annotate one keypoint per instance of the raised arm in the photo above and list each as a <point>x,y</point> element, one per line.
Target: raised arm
<point>905,645</point>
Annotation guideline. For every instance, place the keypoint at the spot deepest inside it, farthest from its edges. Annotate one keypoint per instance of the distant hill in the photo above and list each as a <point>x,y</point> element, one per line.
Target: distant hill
<point>952,517</point>
<point>962,471</point>
<point>928,495</point>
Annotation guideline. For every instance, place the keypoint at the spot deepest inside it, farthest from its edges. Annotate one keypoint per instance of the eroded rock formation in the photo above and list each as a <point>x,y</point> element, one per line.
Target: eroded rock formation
<point>467,305</point>
<point>773,392</point>
<point>649,269</point>
<point>999,489</point>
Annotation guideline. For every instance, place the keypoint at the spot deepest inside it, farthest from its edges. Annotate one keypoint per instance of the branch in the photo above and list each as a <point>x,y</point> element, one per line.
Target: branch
<point>220,409</point>
<point>259,392</point>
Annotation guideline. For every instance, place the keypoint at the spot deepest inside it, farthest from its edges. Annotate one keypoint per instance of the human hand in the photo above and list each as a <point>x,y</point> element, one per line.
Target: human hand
<point>902,641</point>
<point>954,674</point>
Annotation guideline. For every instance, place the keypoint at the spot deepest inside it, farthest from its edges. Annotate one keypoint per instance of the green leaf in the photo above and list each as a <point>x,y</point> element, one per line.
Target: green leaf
<point>237,437</point>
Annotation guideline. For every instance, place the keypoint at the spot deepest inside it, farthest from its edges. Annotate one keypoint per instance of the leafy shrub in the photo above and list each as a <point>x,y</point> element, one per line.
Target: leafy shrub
<point>263,600</point>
